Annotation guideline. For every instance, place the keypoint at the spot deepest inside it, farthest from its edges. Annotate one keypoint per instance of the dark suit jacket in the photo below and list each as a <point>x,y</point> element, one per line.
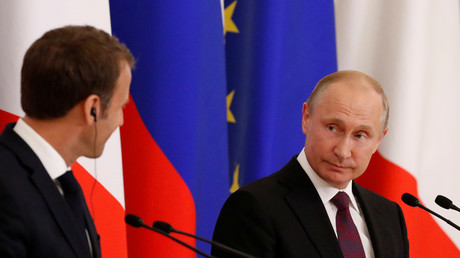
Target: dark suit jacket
<point>35,220</point>
<point>282,216</point>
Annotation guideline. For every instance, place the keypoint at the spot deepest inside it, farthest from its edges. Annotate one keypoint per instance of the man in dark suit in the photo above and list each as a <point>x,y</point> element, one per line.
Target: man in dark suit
<point>74,83</point>
<point>312,207</point>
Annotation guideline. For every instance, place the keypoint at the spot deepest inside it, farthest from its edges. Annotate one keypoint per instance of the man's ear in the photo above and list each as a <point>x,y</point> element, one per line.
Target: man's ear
<point>305,117</point>
<point>91,108</point>
<point>381,138</point>
<point>384,133</point>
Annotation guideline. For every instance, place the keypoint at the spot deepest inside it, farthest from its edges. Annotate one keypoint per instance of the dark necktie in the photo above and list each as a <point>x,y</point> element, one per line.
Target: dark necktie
<point>348,235</point>
<point>75,199</point>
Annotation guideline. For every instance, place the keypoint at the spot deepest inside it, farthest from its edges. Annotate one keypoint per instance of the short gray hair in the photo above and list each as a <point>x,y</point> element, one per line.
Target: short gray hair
<point>321,86</point>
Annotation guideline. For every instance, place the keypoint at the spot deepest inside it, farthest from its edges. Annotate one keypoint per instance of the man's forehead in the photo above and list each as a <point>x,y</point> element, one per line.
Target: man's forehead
<point>364,112</point>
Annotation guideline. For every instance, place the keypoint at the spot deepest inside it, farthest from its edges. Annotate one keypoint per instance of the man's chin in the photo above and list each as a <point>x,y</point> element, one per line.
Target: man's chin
<point>336,179</point>
<point>96,154</point>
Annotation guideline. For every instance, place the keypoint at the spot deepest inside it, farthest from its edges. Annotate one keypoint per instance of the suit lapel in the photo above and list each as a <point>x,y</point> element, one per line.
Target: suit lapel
<point>306,204</point>
<point>54,200</point>
<point>372,213</point>
<point>62,214</point>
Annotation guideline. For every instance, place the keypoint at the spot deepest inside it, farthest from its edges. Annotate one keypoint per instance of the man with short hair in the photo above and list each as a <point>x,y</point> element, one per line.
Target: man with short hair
<point>312,207</point>
<point>74,84</point>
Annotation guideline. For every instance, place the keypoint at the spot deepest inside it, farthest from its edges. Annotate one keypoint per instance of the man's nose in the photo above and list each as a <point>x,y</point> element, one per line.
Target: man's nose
<point>343,148</point>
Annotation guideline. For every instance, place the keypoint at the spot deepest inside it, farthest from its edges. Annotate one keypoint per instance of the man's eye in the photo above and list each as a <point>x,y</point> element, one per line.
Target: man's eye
<point>331,128</point>
<point>359,136</point>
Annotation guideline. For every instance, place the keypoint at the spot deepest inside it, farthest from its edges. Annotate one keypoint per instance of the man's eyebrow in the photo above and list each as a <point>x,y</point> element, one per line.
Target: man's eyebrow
<point>365,127</point>
<point>341,122</point>
<point>335,120</point>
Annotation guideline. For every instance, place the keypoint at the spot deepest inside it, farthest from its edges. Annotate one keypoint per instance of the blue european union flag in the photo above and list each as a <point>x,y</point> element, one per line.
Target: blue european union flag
<point>276,51</point>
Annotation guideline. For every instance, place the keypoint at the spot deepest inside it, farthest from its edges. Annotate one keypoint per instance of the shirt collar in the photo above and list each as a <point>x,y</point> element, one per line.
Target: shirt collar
<point>326,191</point>
<point>49,157</point>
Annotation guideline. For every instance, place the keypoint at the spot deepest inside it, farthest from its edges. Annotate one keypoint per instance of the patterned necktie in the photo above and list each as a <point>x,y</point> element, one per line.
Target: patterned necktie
<point>348,235</point>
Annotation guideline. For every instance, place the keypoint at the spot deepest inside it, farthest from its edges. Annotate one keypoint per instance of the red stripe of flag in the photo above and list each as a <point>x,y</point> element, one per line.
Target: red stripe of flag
<point>108,214</point>
<point>426,238</point>
<point>154,190</point>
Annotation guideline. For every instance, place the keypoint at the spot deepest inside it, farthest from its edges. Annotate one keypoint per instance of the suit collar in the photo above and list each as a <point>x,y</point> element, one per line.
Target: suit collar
<point>325,191</point>
<point>45,185</point>
<point>52,161</point>
<point>307,205</point>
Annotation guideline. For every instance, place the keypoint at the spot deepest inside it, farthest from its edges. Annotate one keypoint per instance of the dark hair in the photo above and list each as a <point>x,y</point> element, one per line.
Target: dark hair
<point>68,64</point>
<point>349,75</point>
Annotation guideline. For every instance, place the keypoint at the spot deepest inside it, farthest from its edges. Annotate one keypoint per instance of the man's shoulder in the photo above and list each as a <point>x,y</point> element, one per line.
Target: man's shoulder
<point>14,154</point>
<point>372,198</point>
<point>262,185</point>
<point>278,182</point>
<point>7,155</point>
<point>11,165</point>
<point>7,137</point>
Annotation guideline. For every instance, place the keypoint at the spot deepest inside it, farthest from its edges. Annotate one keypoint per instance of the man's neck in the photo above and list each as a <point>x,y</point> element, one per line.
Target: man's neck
<point>59,133</point>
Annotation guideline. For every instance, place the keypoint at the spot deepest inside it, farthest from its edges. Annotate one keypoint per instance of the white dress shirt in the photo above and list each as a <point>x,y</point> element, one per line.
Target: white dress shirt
<point>327,192</point>
<point>49,157</point>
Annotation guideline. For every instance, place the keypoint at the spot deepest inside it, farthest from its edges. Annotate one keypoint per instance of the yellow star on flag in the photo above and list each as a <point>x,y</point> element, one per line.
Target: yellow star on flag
<point>235,186</point>
<point>230,117</point>
<point>229,25</point>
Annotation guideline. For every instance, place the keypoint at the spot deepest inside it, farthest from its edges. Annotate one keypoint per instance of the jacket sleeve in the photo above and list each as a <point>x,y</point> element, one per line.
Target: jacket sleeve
<point>245,226</point>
